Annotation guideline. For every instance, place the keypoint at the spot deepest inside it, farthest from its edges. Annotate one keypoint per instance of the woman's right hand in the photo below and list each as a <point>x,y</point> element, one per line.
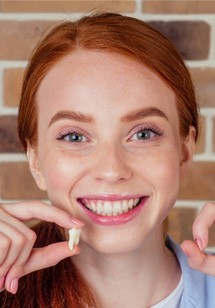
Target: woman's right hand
<point>17,255</point>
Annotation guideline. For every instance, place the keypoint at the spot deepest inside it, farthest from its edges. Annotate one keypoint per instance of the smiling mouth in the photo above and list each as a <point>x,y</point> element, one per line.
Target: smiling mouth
<point>110,208</point>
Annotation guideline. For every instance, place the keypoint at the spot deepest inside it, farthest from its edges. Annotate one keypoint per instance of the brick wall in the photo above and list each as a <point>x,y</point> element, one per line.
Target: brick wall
<point>190,24</point>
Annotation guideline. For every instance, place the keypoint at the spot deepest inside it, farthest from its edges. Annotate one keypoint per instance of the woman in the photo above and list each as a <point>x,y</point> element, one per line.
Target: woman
<point>108,119</point>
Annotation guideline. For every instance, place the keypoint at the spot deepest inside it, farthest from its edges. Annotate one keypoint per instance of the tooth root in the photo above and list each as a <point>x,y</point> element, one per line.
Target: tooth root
<point>74,236</point>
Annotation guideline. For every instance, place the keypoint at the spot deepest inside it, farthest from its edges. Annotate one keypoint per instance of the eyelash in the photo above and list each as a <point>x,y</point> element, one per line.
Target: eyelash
<point>63,135</point>
<point>151,128</point>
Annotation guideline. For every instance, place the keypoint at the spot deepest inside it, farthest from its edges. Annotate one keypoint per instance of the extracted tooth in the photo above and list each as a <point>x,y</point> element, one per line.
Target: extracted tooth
<point>74,236</point>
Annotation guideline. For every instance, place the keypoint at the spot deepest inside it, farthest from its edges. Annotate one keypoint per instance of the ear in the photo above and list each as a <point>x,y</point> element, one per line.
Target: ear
<point>34,165</point>
<point>188,148</point>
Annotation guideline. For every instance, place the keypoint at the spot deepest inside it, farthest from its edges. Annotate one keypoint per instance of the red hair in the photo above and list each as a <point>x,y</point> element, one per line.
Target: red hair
<point>63,285</point>
<point>112,33</point>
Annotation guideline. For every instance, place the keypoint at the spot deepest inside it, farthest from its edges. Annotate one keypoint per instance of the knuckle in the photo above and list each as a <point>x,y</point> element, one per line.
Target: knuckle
<point>4,270</point>
<point>5,243</point>
<point>198,264</point>
<point>19,241</point>
<point>31,236</point>
<point>16,270</point>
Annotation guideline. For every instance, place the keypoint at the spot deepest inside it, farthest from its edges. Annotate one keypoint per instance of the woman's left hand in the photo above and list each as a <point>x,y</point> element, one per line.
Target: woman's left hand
<point>194,250</point>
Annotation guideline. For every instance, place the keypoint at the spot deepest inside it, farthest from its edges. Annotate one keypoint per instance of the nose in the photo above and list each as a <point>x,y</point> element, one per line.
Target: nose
<point>112,165</point>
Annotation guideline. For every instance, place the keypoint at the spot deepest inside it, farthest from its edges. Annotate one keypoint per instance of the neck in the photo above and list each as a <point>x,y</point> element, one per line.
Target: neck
<point>141,273</point>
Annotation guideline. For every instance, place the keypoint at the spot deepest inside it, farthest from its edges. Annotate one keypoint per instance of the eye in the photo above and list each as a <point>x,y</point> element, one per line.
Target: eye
<point>72,137</point>
<point>145,134</point>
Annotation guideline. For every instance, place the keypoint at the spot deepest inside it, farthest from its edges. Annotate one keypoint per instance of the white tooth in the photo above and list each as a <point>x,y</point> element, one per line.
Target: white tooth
<point>93,206</point>
<point>130,204</point>
<point>108,209</point>
<point>136,201</point>
<point>88,204</point>
<point>125,206</point>
<point>74,236</point>
<point>99,208</point>
<point>117,207</point>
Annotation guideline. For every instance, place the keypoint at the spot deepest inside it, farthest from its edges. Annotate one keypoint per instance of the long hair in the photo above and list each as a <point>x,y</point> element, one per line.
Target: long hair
<point>63,286</point>
<point>60,286</point>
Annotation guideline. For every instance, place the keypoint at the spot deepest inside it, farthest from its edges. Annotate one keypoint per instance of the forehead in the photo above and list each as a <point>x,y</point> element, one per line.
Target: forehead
<point>88,79</point>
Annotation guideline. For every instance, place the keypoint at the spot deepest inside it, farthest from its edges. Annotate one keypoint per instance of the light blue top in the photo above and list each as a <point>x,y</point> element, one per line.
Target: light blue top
<point>199,288</point>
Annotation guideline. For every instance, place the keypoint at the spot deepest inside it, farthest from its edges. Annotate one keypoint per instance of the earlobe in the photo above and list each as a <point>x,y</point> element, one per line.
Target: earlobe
<point>188,150</point>
<point>34,166</point>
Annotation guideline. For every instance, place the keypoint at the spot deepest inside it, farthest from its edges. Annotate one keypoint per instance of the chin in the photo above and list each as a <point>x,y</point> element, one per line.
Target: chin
<point>113,241</point>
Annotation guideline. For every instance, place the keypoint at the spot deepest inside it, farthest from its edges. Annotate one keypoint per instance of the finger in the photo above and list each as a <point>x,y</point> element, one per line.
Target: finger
<point>49,256</point>
<point>40,258</point>
<point>42,211</point>
<point>202,223</point>
<point>15,266</point>
<point>4,247</point>
<point>14,244</point>
<point>197,259</point>
<point>14,237</point>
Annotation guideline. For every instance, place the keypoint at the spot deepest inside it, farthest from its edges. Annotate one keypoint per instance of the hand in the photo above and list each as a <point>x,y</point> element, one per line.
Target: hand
<point>194,250</point>
<point>17,255</point>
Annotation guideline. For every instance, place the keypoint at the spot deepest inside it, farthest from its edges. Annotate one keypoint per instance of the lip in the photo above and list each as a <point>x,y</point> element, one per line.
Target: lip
<point>113,220</point>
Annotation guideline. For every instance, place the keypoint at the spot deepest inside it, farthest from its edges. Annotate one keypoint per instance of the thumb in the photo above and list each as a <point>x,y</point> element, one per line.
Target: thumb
<point>197,259</point>
<point>39,258</point>
<point>48,256</point>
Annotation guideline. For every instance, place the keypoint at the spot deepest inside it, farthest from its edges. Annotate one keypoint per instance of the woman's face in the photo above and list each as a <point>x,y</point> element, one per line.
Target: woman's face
<point>109,150</point>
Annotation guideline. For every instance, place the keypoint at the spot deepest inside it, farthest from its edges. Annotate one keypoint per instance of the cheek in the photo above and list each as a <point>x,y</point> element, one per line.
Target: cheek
<point>61,172</point>
<point>161,168</point>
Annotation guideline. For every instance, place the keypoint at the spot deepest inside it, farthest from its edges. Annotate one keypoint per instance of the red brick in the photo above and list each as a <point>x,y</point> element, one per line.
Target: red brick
<point>17,182</point>
<point>179,6</point>
<point>192,38</point>
<point>67,6</point>
<point>212,236</point>
<point>200,183</point>
<point>204,81</point>
<point>213,134</point>
<point>12,80</point>
<point>20,37</point>
<point>9,142</point>
<point>200,146</point>
<point>179,223</point>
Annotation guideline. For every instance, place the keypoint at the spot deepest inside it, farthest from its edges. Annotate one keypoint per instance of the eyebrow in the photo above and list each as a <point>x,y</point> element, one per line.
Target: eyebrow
<point>142,113</point>
<point>85,118</point>
<point>71,115</point>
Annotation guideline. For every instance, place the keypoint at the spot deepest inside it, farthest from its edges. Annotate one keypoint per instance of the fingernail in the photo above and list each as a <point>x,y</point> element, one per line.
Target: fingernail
<point>14,285</point>
<point>199,243</point>
<point>76,221</point>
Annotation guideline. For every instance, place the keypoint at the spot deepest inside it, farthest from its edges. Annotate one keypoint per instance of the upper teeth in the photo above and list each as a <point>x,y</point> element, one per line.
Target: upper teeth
<point>110,208</point>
